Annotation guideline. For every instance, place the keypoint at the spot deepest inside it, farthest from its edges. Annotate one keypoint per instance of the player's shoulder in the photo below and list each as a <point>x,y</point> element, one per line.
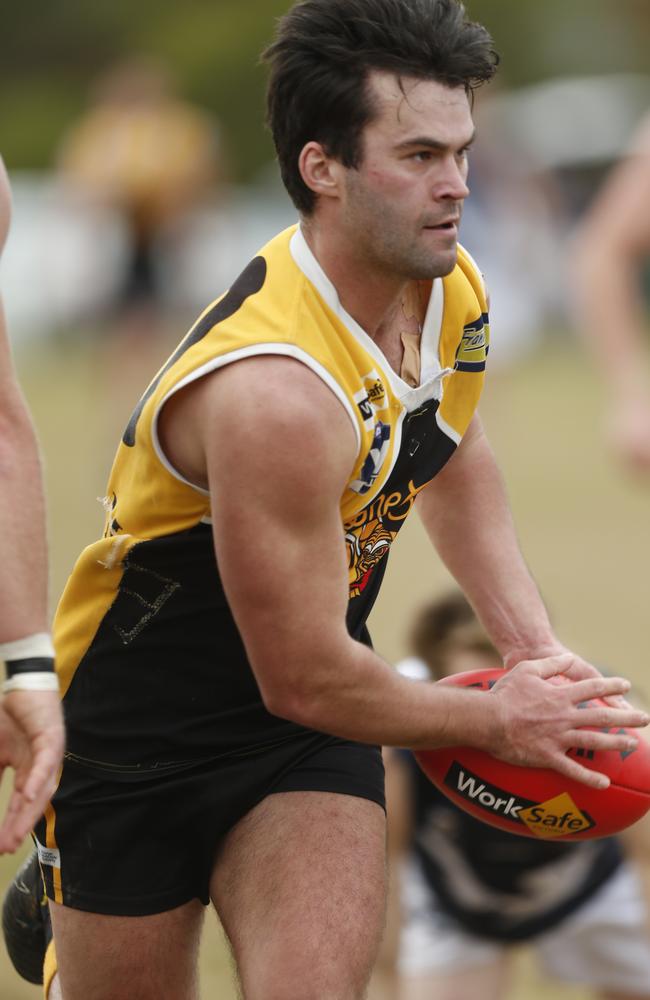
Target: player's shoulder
<point>269,396</point>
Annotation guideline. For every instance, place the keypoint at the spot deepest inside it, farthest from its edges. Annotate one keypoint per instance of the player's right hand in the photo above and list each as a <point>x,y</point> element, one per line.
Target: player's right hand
<point>32,743</point>
<point>542,718</point>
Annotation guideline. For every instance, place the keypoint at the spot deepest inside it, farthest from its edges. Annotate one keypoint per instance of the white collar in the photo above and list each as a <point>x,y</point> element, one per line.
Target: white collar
<point>431,369</point>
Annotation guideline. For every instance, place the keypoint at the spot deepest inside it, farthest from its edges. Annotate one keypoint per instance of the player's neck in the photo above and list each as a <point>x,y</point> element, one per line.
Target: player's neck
<point>373,298</point>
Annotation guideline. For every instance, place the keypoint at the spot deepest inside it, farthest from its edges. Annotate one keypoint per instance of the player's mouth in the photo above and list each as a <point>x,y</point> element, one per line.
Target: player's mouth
<point>448,225</point>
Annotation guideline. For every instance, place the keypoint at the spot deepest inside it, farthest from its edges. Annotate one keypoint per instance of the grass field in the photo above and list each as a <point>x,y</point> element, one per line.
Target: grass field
<point>582,525</point>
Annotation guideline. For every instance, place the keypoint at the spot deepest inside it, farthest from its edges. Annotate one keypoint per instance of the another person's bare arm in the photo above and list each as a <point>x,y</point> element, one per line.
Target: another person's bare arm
<point>279,450</point>
<point>31,727</point>
<point>610,250</point>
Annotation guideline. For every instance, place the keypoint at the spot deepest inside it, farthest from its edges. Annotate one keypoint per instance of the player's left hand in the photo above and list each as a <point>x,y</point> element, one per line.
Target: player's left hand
<point>578,668</point>
<point>32,743</point>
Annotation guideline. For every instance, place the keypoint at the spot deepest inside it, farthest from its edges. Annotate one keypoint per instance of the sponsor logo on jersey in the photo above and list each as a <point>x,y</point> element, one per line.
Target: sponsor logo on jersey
<point>474,346</point>
<point>555,817</point>
<point>362,400</point>
<point>374,459</point>
<point>492,799</point>
<point>376,392</point>
<point>370,399</point>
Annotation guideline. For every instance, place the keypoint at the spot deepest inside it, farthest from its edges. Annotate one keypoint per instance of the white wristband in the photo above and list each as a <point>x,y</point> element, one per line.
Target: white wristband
<point>42,681</point>
<point>37,645</point>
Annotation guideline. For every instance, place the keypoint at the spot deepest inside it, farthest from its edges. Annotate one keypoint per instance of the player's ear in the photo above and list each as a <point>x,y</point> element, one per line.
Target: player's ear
<point>320,172</point>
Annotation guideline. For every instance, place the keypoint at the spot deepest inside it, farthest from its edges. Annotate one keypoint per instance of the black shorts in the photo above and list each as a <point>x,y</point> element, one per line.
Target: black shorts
<point>132,844</point>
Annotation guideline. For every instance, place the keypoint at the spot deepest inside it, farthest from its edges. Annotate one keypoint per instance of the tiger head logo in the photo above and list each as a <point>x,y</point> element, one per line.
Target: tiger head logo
<point>365,550</point>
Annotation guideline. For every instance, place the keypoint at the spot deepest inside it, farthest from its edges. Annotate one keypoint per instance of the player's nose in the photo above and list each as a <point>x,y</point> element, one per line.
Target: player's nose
<point>451,182</point>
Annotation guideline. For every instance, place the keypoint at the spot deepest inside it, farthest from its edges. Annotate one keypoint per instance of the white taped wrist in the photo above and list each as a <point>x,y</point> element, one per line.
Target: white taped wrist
<point>31,647</point>
<point>37,681</point>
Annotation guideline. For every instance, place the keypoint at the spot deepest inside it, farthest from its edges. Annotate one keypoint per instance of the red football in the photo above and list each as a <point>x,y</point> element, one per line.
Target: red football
<point>539,802</point>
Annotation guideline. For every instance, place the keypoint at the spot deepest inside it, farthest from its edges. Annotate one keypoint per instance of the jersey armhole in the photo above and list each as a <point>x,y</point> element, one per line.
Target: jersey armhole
<point>279,349</point>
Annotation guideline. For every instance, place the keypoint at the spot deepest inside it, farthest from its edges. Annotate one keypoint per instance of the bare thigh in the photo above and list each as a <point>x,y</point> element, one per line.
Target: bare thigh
<point>299,886</point>
<point>127,958</point>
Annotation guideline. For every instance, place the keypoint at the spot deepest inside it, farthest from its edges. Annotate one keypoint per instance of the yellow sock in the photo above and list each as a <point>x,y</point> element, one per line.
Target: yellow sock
<point>49,969</point>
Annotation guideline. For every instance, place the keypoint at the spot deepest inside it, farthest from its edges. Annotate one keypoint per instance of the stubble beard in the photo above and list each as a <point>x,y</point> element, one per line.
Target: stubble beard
<point>384,243</point>
<point>400,257</point>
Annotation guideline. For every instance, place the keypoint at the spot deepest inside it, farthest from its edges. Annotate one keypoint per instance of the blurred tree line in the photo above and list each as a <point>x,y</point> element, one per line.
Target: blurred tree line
<point>52,51</point>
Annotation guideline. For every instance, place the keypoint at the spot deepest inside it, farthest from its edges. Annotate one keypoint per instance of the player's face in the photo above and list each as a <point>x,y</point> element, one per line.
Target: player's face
<point>459,660</point>
<point>402,205</point>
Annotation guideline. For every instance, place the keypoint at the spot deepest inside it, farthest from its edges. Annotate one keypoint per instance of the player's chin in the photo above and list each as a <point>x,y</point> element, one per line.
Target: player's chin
<point>437,265</point>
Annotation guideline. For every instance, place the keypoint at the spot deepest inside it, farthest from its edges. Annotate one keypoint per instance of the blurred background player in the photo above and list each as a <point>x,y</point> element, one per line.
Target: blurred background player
<point>152,158</point>
<point>612,247</point>
<point>146,153</point>
<point>464,893</point>
<point>31,726</point>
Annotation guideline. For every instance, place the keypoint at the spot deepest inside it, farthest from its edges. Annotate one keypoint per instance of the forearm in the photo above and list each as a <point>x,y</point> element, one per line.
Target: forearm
<point>349,691</point>
<point>23,582</point>
<point>466,514</point>
<point>610,313</point>
<point>344,689</point>
<point>610,246</point>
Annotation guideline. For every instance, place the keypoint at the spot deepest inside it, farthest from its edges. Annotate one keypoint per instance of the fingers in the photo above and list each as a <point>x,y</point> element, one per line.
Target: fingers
<point>599,687</point>
<point>31,741</point>
<point>606,717</point>
<point>617,701</point>
<point>592,739</point>
<point>38,784</point>
<point>570,768</point>
<point>587,682</point>
<point>610,688</point>
<point>551,666</point>
<point>17,822</point>
<point>590,685</point>
<point>34,784</point>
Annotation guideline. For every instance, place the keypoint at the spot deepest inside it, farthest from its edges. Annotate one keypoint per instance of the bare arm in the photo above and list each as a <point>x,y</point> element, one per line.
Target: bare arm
<point>279,450</point>
<point>611,247</point>
<point>23,581</point>
<point>31,727</point>
<point>467,516</point>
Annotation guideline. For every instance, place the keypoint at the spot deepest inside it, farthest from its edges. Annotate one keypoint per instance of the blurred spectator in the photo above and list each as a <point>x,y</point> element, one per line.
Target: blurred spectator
<point>511,225</point>
<point>464,893</point>
<point>151,157</point>
<point>611,249</point>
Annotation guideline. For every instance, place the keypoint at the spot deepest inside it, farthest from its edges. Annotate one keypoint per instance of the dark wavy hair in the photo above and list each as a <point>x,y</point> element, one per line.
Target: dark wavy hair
<point>445,627</point>
<point>321,57</point>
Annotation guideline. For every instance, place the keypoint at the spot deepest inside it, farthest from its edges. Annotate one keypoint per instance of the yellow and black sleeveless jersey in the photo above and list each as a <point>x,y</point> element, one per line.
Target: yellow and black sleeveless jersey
<point>151,664</point>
